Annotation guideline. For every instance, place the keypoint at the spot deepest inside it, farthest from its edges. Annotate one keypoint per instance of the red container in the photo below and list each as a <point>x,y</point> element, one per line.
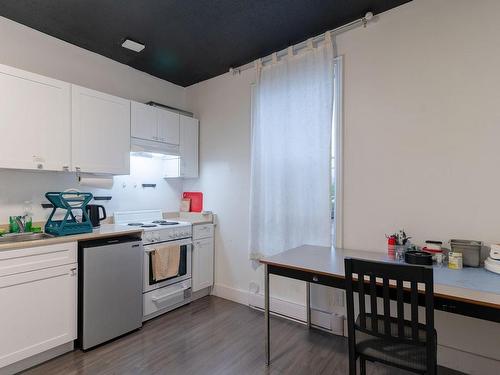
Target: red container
<point>196,200</point>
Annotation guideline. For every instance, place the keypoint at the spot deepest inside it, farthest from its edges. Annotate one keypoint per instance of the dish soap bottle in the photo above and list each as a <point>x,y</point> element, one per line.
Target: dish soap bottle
<point>28,216</point>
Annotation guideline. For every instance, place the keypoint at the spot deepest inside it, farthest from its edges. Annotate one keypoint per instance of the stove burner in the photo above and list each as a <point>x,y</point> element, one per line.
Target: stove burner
<point>165,222</point>
<point>148,225</point>
<point>135,224</point>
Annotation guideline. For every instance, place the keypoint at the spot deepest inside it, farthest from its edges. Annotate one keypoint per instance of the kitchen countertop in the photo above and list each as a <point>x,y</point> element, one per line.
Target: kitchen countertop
<point>194,218</point>
<point>105,230</point>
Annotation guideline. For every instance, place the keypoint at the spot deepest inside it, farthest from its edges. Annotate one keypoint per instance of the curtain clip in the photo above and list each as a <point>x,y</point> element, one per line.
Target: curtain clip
<point>258,63</point>
<point>328,37</point>
<point>310,44</point>
<point>274,57</point>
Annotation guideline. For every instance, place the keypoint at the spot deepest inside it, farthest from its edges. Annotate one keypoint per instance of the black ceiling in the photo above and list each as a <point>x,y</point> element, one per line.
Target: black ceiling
<point>188,41</point>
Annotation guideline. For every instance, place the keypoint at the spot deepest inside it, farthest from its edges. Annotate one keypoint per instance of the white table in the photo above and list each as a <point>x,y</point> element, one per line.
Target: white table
<point>473,292</point>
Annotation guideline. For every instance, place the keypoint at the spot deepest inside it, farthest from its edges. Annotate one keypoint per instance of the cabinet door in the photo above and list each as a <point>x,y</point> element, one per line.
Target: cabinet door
<point>35,121</point>
<point>203,263</point>
<point>100,132</point>
<point>188,147</point>
<point>144,121</point>
<point>38,312</point>
<point>168,126</point>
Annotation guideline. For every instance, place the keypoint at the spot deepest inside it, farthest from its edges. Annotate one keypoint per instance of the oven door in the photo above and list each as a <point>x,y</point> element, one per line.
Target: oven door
<point>184,272</point>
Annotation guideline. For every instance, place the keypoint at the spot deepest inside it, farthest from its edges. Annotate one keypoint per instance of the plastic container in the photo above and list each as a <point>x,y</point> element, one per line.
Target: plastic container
<point>455,261</point>
<point>471,251</point>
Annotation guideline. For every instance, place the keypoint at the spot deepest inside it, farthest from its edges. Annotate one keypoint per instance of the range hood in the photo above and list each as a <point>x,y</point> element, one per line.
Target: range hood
<point>146,146</point>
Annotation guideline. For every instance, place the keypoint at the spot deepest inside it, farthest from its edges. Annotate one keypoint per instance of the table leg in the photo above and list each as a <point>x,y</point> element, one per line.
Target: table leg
<point>266,315</point>
<point>308,304</point>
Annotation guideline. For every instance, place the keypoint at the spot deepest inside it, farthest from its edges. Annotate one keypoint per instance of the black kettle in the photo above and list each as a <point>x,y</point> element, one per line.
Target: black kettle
<point>94,214</point>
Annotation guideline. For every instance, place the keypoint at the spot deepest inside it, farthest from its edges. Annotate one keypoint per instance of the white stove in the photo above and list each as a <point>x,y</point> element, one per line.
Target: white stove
<point>156,229</point>
<point>160,296</point>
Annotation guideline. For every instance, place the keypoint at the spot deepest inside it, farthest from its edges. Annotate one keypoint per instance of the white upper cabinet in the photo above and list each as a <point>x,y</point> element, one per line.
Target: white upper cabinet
<point>35,121</point>
<point>144,119</point>
<point>168,126</point>
<point>189,147</point>
<point>155,124</point>
<point>100,132</point>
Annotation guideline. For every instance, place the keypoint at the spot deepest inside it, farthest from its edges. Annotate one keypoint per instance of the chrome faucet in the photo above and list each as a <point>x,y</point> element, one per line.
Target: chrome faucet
<point>21,222</point>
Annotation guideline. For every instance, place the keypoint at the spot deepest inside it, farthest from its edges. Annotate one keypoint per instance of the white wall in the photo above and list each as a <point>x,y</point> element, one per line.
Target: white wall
<point>422,124</point>
<point>16,187</point>
<point>33,51</point>
<point>420,152</point>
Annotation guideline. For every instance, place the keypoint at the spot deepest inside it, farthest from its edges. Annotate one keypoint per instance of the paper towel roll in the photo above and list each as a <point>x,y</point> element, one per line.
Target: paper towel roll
<point>97,182</point>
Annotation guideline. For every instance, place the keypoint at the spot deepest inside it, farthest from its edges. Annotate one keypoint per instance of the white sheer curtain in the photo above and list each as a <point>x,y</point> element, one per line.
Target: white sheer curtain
<point>291,151</point>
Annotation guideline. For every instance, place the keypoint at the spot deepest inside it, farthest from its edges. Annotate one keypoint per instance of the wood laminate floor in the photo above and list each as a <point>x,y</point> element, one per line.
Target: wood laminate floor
<point>213,336</point>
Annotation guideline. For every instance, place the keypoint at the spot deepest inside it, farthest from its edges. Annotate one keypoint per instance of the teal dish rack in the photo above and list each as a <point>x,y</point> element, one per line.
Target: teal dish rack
<point>70,202</point>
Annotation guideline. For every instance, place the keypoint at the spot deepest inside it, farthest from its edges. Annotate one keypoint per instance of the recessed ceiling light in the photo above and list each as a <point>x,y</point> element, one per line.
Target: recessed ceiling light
<point>134,46</point>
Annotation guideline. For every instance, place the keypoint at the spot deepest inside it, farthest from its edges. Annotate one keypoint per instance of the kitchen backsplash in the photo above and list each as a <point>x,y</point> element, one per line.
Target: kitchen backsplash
<point>127,193</point>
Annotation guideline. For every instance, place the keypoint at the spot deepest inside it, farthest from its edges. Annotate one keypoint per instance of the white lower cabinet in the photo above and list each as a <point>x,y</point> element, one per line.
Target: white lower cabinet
<point>203,259</point>
<point>38,304</point>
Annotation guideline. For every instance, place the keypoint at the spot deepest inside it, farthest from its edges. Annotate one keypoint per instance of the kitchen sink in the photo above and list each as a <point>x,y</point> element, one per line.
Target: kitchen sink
<point>20,237</point>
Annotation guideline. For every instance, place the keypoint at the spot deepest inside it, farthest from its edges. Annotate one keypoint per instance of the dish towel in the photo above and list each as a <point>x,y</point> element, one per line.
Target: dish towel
<point>166,261</point>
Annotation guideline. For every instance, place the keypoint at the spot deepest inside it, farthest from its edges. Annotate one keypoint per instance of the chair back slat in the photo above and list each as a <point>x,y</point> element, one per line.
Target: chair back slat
<point>361,296</point>
<point>414,310</point>
<point>387,306</point>
<point>373,303</point>
<point>401,309</point>
<point>390,274</point>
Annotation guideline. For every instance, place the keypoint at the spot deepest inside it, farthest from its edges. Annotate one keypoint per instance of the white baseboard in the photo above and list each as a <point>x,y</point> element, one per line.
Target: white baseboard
<point>287,309</point>
<point>232,294</point>
<point>29,362</point>
<point>468,363</point>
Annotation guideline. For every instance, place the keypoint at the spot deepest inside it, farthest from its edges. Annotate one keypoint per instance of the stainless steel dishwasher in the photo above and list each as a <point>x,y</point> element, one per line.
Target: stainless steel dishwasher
<point>109,289</point>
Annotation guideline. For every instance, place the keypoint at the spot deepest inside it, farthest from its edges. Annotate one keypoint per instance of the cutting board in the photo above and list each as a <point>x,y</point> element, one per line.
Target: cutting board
<point>196,200</point>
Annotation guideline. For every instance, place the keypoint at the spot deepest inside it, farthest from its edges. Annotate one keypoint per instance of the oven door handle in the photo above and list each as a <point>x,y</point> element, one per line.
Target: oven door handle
<point>153,247</point>
<point>158,299</point>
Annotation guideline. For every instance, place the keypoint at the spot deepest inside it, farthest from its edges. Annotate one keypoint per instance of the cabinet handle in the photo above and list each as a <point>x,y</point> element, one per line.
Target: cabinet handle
<point>73,271</point>
<point>39,166</point>
<point>65,168</point>
<point>77,169</point>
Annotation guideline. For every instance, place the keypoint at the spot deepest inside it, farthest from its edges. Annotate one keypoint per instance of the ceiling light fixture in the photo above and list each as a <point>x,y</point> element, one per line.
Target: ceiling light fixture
<point>132,45</point>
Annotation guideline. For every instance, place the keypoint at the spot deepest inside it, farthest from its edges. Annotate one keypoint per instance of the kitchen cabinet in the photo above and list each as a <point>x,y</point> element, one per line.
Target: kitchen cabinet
<point>155,124</point>
<point>168,126</point>
<point>203,257</point>
<point>100,132</point>
<point>185,165</point>
<point>35,121</point>
<point>144,121</point>
<point>38,290</point>
<point>189,130</point>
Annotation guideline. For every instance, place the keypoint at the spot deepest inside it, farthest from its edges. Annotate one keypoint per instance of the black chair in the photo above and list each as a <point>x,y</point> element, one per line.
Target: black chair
<point>391,340</point>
